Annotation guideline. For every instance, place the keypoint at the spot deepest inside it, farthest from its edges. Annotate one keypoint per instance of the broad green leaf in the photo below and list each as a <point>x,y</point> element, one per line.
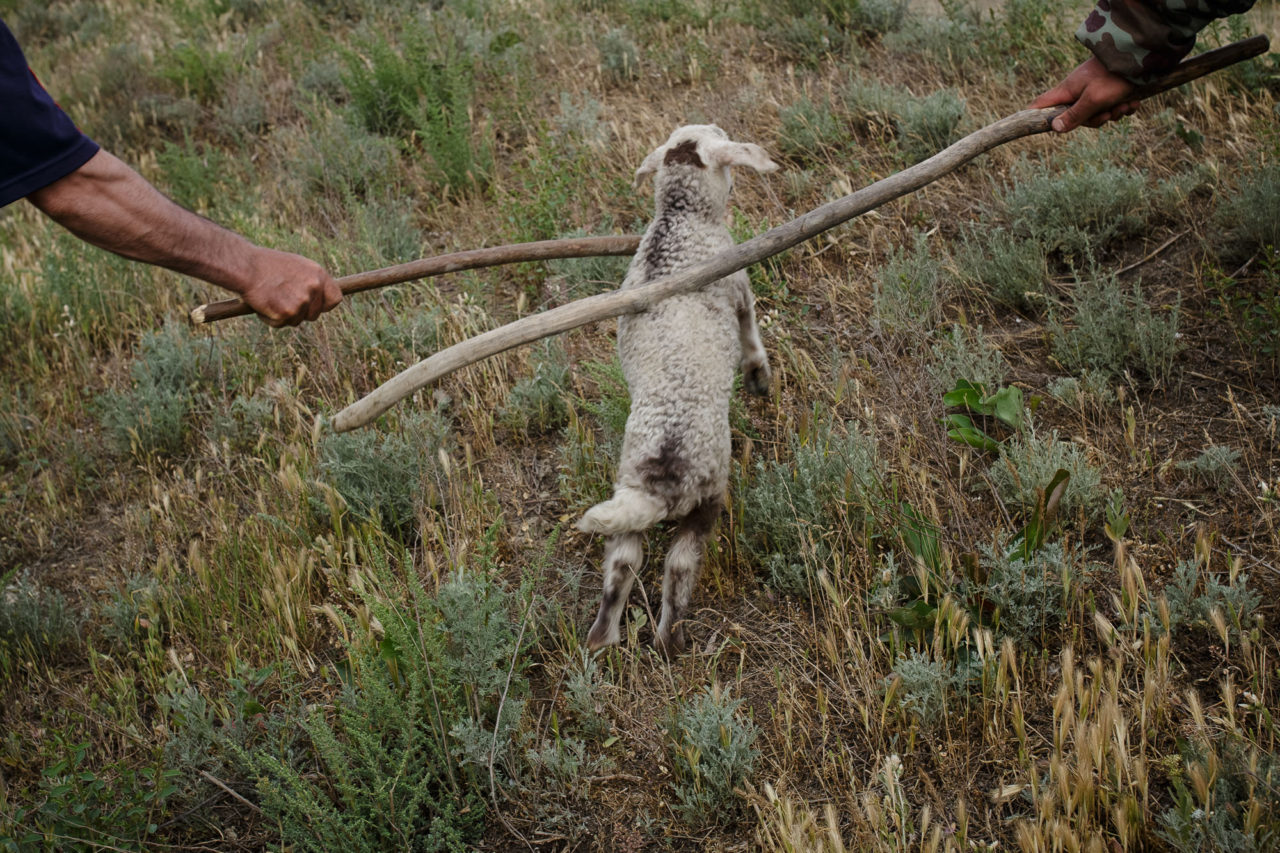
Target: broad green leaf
<point>974,437</point>
<point>918,615</point>
<point>1006,404</point>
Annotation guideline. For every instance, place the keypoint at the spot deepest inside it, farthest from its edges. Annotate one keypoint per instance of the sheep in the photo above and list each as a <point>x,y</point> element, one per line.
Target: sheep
<point>678,359</point>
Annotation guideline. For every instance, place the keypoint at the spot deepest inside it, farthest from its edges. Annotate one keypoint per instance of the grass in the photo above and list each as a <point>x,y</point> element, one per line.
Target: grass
<point>1112,329</point>
<point>216,617</point>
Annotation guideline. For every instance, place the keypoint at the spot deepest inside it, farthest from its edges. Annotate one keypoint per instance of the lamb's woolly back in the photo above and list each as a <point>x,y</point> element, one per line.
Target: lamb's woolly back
<point>679,359</point>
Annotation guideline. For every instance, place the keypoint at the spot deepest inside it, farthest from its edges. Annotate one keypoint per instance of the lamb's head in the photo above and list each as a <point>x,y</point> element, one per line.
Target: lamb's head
<point>705,153</point>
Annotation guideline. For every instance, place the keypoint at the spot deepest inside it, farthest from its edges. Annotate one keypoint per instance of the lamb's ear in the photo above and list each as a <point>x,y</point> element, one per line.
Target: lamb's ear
<point>650,165</point>
<point>741,154</point>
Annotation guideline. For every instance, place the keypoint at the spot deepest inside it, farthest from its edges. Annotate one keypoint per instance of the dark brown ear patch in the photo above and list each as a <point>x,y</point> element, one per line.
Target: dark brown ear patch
<point>684,154</point>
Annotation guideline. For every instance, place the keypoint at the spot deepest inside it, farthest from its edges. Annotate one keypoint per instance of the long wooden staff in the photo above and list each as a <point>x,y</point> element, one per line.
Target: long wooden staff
<point>772,242</point>
<point>543,250</point>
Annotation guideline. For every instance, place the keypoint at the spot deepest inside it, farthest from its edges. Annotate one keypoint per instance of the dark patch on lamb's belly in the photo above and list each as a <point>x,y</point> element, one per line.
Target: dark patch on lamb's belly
<point>664,472</point>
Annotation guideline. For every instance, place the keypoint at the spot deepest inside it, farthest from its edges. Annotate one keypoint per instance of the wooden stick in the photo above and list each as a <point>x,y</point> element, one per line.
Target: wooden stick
<point>580,247</point>
<point>605,305</point>
<point>1195,67</point>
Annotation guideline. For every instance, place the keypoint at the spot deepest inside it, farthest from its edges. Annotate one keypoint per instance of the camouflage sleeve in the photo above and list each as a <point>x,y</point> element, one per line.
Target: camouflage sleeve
<point>1140,39</point>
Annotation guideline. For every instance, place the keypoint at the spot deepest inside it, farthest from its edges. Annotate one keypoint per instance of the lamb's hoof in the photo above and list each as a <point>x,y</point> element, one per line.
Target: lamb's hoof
<point>670,643</point>
<point>756,379</point>
<point>600,636</point>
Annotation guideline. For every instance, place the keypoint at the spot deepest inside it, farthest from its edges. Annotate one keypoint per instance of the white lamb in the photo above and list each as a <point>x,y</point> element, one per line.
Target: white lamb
<point>679,359</point>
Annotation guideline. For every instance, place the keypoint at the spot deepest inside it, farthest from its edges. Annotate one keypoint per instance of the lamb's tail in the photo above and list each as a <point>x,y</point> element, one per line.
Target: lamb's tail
<point>629,510</point>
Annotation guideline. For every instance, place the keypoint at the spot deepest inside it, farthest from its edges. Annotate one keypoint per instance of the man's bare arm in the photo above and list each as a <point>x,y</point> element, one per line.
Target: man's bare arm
<point>108,204</point>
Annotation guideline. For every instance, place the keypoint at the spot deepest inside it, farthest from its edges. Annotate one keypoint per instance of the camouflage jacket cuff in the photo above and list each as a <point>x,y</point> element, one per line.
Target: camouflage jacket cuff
<point>1141,40</point>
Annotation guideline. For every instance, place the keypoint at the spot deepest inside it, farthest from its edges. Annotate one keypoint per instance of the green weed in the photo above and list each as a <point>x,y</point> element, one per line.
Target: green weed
<point>1077,209</point>
<point>36,624</point>
<point>1113,329</point>
<point>923,687</point>
<point>871,17</point>
<point>322,78</point>
<point>243,113</point>
<point>866,17</point>
<point>579,124</point>
<point>421,90</point>
<point>212,733</point>
<point>152,415</point>
<point>1010,269</point>
<point>1029,462</point>
<point>537,402</point>
<point>37,24</point>
<point>619,55</point>
<point>712,753</point>
<point>135,610</point>
<point>1216,466</point>
<point>548,193</point>
<point>443,121</point>
<point>385,82</point>
<point>579,277</point>
<point>115,808</point>
<point>792,510</point>
<point>1223,798</point>
<point>482,654</point>
<point>927,125</point>
<point>1092,387</point>
<point>416,705</point>
<point>808,38</point>
<point>80,293</point>
<point>1028,595</point>
<point>1194,594</point>
<point>591,444</point>
<point>869,101</point>
<point>582,689</point>
<point>967,354</point>
<point>563,762</point>
<point>244,424</point>
<point>339,161</point>
<point>389,476</point>
<point>908,293</point>
<point>195,174</point>
<point>810,129</point>
<point>951,40</point>
<point>198,71</point>
<point>1030,36</point>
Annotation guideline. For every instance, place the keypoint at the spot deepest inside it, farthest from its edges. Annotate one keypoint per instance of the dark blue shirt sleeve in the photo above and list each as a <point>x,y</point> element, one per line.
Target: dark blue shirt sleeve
<point>38,141</point>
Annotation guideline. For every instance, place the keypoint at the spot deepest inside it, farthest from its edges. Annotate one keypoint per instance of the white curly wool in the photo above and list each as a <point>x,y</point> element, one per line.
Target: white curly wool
<point>679,359</point>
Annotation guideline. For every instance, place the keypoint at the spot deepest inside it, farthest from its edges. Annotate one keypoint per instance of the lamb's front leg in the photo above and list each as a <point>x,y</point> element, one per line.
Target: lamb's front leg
<point>756,375</point>
<point>622,557</point>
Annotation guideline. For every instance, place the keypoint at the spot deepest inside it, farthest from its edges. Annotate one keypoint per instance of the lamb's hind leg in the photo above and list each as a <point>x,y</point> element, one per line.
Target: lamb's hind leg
<point>622,557</point>
<point>756,375</point>
<point>684,561</point>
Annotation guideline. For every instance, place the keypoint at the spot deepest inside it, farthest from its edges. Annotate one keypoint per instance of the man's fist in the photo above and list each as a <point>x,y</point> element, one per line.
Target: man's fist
<point>1095,94</point>
<point>287,288</point>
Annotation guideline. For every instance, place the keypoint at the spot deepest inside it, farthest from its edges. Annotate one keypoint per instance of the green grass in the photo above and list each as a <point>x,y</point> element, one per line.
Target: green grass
<point>1111,329</point>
